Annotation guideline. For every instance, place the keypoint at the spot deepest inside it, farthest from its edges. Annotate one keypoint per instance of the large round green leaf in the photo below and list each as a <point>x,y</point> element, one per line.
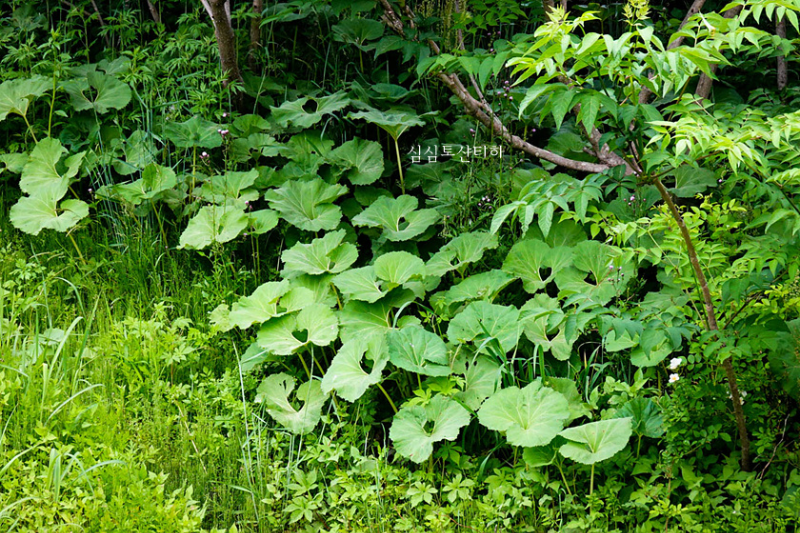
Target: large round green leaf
<point>418,350</point>
<point>212,224</point>
<point>259,306</point>
<point>274,392</point>
<point>314,324</point>
<point>531,416</point>
<point>308,205</point>
<point>100,92</point>
<point>361,161</point>
<point>195,132</point>
<point>346,375</point>
<point>32,214</point>
<point>483,322</point>
<point>324,255</point>
<point>397,217</point>
<point>596,441</point>
<point>408,433</point>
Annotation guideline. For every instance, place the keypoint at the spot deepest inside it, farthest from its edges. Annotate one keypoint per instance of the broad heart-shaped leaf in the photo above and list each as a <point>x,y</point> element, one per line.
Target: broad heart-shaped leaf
<point>418,350</point>
<point>397,217</point>
<point>100,92</point>
<point>361,160</point>
<point>262,221</point>
<point>16,95</point>
<point>155,181</point>
<point>396,268</point>
<point>645,415</point>
<point>195,132</point>
<point>462,250</point>
<point>230,186</point>
<point>483,286</point>
<point>305,112</point>
<point>274,392</point>
<point>596,441</point>
<point>32,214</point>
<point>408,433</point>
<point>357,31</point>
<point>602,263</point>
<point>360,284</point>
<point>545,325</point>
<point>361,320</point>
<point>214,224</point>
<point>314,324</point>
<point>347,377</point>
<point>527,259</point>
<point>308,205</point>
<point>395,123</point>
<point>259,306</point>
<point>482,378</point>
<point>481,321</point>
<point>140,151</point>
<point>322,256</point>
<point>531,416</point>
<point>41,176</point>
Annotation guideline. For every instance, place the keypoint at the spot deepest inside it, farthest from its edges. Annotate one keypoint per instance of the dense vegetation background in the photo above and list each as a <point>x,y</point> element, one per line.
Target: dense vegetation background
<point>399,266</point>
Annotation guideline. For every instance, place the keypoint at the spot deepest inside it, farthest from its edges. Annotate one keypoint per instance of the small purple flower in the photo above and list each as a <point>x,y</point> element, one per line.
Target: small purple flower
<point>491,50</point>
<point>245,234</point>
<point>91,191</point>
<point>719,180</point>
<point>633,198</point>
<point>225,114</point>
<point>204,155</point>
<point>472,130</point>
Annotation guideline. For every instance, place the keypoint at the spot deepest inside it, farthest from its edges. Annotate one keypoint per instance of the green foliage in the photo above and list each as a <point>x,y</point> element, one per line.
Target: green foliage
<point>257,305</point>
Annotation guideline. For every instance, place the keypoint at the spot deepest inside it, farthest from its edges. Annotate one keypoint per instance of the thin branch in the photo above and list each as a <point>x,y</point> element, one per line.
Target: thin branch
<point>482,111</point>
<point>711,321</point>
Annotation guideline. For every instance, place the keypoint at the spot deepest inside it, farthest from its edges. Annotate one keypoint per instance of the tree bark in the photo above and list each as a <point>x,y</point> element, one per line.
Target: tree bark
<point>219,11</point>
<point>783,75</point>
<point>154,11</point>
<point>705,82</point>
<point>255,35</point>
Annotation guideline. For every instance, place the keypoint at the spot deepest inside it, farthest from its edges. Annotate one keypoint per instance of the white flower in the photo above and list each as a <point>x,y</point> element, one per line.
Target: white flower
<point>675,363</point>
<point>673,378</point>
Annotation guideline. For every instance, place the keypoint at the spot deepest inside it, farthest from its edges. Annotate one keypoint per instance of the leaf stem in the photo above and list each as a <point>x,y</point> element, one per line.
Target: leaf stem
<point>394,407</point>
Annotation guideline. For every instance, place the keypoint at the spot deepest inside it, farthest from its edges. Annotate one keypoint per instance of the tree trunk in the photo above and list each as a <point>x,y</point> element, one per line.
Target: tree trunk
<point>219,11</point>
<point>255,34</point>
<point>783,75</point>
<point>154,11</point>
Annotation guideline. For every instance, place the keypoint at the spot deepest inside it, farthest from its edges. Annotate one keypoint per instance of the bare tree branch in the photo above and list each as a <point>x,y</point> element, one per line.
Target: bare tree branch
<point>482,111</point>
